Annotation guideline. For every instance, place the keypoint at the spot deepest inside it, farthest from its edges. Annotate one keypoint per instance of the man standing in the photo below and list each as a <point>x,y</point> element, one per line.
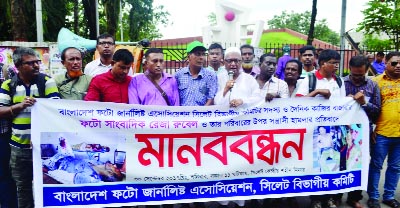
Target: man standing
<point>307,58</point>
<point>154,87</point>
<point>371,71</point>
<point>239,88</point>
<point>387,140</point>
<point>271,87</point>
<point>73,84</point>
<point>18,96</point>
<point>280,70</point>
<point>365,92</point>
<point>105,46</point>
<point>293,70</point>
<point>215,58</point>
<point>326,84</point>
<point>112,86</point>
<point>197,85</point>
<point>378,64</point>
<point>248,66</point>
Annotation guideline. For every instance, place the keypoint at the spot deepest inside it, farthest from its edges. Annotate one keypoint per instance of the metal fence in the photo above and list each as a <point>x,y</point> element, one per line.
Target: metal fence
<point>176,56</point>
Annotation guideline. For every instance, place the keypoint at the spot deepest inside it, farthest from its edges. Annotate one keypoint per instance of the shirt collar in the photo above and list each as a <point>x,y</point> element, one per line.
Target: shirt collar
<point>319,75</point>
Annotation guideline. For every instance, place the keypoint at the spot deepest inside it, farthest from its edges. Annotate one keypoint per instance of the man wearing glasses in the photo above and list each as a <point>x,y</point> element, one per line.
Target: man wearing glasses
<point>387,140</point>
<point>16,105</point>
<point>197,85</point>
<point>106,47</point>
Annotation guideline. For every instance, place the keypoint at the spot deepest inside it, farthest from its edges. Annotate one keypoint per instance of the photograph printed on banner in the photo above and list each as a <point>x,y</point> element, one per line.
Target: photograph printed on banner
<point>79,158</point>
<point>337,148</point>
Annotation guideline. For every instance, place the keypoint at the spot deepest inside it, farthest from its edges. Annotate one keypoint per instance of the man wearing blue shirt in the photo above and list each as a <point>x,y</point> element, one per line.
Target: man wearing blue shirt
<point>197,85</point>
<point>378,64</point>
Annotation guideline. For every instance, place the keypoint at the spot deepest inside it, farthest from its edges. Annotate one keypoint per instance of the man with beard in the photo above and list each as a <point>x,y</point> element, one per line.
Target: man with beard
<point>248,67</point>
<point>271,87</point>
<point>293,70</point>
<point>307,58</point>
<point>236,88</point>
<point>215,58</point>
<point>154,87</point>
<point>106,47</point>
<point>73,84</point>
<point>16,105</point>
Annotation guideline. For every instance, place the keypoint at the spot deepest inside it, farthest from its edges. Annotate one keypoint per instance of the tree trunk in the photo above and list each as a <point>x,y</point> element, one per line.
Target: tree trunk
<point>76,17</point>
<point>89,7</point>
<point>111,8</point>
<point>18,20</point>
<point>310,37</point>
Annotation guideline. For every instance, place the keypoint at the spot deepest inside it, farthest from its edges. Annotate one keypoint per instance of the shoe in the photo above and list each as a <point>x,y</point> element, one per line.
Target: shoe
<point>373,203</point>
<point>316,204</point>
<point>331,203</point>
<point>392,203</point>
<point>355,204</point>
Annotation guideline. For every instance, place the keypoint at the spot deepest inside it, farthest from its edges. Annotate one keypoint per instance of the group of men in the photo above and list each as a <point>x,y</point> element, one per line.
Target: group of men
<point>231,79</point>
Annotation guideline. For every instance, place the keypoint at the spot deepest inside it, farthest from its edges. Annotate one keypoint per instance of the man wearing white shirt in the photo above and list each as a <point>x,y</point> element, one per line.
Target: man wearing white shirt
<point>236,89</point>
<point>270,86</point>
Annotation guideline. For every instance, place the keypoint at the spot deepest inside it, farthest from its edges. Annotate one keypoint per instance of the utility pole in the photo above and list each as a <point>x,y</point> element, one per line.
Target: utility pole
<point>342,37</point>
<point>39,21</point>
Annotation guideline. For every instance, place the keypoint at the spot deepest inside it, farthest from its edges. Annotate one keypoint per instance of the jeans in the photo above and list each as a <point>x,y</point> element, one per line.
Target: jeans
<point>385,146</point>
<point>8,196</point>
<point>22,173</point>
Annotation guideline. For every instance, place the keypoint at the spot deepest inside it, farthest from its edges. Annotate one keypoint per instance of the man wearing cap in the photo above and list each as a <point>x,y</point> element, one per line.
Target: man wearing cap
<point>197,85</point>
<point>280,70</point>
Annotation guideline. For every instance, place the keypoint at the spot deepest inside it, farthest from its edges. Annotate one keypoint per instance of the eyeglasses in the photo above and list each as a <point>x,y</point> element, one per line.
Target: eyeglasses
<point>32,63</point>
<point>235,61</point>
<point>105,43</point>
<point>267,63</point>
<point>394,63</point>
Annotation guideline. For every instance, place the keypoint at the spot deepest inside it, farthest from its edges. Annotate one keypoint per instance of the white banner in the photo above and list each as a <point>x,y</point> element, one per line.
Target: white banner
<point>108,154</point>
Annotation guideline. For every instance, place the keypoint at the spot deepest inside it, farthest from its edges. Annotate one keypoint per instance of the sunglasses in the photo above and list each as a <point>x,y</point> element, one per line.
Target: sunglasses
<point>32,63</point>
<point>394,63</point>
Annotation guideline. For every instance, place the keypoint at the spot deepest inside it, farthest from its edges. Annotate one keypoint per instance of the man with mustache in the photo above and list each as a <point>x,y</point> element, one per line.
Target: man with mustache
<point>73,84</point>
<point>106,47</point>
<point>16,105</point>
<point>248,66</point>
<point>197,85</point>
<point>154,87</point>
<point>307,56</point>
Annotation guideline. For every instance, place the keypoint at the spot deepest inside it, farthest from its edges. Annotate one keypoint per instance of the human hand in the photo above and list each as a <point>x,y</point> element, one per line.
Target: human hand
<point>324,92</point>
<point>359,97</point>
<point>236,103</point>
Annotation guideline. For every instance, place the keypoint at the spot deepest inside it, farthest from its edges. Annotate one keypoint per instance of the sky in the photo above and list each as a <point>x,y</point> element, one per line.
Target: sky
<point>189,16</point>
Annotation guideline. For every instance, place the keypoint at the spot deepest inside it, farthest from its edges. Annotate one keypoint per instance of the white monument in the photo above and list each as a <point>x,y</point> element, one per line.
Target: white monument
<point>232,24</point>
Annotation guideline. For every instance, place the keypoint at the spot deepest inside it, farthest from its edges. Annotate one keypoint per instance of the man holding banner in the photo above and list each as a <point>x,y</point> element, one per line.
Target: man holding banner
<point>366,92</point>
<point>387,140</point>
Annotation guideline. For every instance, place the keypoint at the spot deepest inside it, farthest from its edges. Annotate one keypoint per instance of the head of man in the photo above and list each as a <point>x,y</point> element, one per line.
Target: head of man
<point>232,60</point>
<point>154,61</point>
<point>71,58</point>
<point>215,55</point>
<point>28,63</point>
<point>328,62</point>
<point>393,65</point>
<point>247,52</point>
<point>286,50</point>
<point>293,69</point>
<point>307,55</point>
<point>196,54</point>
<point>370,57</point>
<point>267,65</point>
<point>121,63</point>
<point>379,56</point>
<point>105,45</point>
<point>358,68</point>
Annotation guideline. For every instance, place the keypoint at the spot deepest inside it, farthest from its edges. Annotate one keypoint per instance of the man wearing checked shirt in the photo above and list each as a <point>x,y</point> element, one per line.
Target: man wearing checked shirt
<point>197,85</point>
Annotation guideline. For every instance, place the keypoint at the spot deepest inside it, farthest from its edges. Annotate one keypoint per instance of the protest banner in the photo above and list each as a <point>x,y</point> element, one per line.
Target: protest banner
<point>97,154</point>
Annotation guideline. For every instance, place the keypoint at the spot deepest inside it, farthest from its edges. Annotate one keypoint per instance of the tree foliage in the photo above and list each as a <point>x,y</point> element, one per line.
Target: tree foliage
<point>300,22</point>
<point>382,17</point>
<point>139,18</point>
<point>372,43</point>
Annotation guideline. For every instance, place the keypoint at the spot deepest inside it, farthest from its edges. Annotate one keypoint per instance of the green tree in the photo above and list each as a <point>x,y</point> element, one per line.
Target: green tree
<point>382,17</point>
<point>300,22</point>
<point>372,43</point>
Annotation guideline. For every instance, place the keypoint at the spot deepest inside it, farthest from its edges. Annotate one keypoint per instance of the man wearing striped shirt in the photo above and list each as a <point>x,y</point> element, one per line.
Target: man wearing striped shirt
<point>17,96</point>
